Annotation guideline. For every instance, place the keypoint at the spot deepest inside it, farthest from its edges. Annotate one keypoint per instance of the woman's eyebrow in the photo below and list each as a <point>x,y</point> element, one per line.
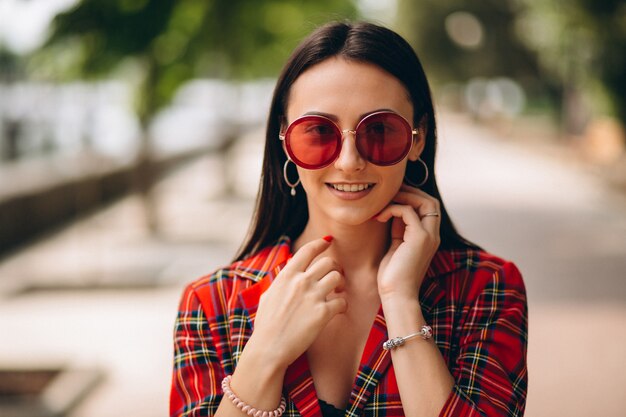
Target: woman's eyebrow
<point>334,118</point>
<point>320,113</point>
<point>375,111</point>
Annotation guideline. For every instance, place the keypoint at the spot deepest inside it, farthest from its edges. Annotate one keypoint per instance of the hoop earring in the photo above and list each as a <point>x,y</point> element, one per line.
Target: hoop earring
<point>411,166</point>
<point>289,183</point>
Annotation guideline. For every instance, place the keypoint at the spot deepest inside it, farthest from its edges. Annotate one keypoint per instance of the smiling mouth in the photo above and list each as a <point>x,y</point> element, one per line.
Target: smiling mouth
<point>351,188</point>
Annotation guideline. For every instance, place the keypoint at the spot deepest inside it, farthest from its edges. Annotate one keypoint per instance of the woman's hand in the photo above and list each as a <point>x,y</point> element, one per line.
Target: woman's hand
<point>414,241</point>
<point>297,306</point>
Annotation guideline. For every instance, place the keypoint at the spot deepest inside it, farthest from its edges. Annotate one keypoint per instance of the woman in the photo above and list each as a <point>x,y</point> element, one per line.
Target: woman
<point>353,294</point>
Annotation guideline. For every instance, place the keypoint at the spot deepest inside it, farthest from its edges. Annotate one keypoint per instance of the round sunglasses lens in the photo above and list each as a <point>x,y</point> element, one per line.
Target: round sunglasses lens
<point>313,141</point>
<point>384,139</point>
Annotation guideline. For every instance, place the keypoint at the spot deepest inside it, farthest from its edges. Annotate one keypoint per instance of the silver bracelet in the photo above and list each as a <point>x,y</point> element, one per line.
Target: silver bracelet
<point>426,332</point>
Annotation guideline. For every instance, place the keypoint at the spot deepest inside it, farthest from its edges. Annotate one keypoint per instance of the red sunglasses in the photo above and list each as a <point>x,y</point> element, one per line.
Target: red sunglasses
<point>383,138</point>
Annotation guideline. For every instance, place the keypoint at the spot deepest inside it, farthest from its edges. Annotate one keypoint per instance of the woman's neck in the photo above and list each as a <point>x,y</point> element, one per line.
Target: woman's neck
<point>358,249</point>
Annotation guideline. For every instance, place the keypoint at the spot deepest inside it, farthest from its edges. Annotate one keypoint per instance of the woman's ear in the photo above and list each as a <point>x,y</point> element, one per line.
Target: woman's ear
<point>281,132</point>
<point>419,139</point>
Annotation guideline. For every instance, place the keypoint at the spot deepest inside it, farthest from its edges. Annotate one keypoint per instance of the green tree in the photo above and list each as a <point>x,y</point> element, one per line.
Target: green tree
<point>556,49</point>
<point>11,70</point>
<point>175,40</point>
<point>498,51</point>
<point>582,44</point>
<point>172,41</point>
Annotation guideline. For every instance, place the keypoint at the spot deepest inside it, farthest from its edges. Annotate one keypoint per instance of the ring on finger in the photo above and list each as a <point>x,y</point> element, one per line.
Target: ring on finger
<point>433,214</point>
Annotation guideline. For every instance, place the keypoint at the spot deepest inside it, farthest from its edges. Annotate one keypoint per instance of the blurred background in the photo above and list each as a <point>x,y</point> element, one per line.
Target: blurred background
<point>130,141</point>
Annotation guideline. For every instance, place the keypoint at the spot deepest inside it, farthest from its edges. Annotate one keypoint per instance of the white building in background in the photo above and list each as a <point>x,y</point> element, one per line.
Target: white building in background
<point>67,119</point>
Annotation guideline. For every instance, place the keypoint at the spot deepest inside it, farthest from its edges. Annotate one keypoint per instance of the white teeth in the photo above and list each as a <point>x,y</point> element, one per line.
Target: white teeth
<point>352,188</point>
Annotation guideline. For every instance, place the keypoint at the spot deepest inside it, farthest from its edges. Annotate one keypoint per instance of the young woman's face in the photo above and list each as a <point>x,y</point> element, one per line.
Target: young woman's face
<point>345,91</point>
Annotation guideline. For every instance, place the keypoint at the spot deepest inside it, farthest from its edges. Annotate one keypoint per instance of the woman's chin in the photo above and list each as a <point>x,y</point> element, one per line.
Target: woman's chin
<point>351,217</point>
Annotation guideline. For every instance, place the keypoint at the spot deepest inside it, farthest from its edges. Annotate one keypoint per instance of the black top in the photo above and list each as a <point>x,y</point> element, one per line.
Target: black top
<point>329,410</point>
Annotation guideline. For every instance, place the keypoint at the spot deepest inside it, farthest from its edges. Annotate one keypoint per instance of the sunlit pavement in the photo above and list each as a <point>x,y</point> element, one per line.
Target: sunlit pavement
<point>565,231</point>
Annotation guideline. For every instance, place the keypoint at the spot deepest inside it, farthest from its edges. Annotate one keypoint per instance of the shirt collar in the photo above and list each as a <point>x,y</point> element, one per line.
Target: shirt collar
<point>268,260</point>
<point>273,258</point>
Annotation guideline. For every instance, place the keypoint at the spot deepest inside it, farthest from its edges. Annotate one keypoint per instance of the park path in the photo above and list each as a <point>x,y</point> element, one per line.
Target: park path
<point>567,233</point>
<point>102,292</point>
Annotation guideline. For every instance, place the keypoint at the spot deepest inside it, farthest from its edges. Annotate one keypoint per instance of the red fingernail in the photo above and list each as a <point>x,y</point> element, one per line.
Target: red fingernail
<point>328,238</point>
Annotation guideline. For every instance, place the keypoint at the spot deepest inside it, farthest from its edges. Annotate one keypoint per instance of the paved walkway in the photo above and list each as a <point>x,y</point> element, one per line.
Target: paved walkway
<point>567,233</point>
<point>86,295</point>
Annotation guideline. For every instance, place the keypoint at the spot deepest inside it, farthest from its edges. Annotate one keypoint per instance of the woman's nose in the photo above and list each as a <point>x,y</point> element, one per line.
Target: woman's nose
<point>349,158</point>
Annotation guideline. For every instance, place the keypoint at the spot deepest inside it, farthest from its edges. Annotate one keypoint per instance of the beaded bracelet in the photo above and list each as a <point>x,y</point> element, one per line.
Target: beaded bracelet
<point>426,332</point>
<point>249,410</point>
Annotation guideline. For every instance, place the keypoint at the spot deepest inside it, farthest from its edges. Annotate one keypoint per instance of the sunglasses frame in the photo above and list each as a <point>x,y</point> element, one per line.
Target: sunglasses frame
<point>284,137</point>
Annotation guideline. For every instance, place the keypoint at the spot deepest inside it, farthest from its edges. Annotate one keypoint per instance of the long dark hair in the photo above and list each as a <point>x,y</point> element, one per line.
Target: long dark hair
<point>277,212</point>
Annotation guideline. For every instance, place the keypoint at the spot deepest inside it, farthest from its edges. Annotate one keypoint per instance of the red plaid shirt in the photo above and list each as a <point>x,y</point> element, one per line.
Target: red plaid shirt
<point>475,303</point>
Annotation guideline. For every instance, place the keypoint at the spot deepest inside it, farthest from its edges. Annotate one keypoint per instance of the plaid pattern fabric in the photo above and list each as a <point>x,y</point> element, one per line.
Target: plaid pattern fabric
<point>475,303</point>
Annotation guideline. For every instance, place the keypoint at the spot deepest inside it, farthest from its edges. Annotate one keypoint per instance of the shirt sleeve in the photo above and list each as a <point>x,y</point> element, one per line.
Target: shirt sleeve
<point>490,371</point>
<point>198,371</point>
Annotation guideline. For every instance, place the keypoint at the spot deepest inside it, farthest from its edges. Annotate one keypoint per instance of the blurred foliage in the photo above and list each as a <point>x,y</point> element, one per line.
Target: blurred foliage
<point>499,52</point>
<point>171,41</point>
<point>11,66</point>
<point>582,44</point>
<point>548,46</point>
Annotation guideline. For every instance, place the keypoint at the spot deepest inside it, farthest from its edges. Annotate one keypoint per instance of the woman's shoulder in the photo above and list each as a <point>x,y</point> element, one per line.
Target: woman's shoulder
<point>472,272</point>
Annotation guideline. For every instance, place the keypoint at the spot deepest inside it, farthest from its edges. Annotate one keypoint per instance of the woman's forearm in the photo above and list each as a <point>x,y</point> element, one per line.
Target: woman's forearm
<point>424,381</point>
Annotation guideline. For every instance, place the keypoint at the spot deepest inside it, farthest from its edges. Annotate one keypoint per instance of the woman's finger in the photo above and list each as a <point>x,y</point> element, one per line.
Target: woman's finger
<point>427,207</point>
<point>423,204</point>
<point>403,211</point>
<point>331,282</point>
<point>336,306</point>
<point>319,268</point>
<point>305,255</point>
<point>411,219</point>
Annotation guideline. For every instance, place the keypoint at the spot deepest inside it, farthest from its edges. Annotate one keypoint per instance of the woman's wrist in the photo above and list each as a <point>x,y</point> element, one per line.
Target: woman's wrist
<point>248,408</point>
<point>399,299</point>
<point>403,315</point>
<point>398,292</point>
<point>259,353</point>
<point>257,380</point>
